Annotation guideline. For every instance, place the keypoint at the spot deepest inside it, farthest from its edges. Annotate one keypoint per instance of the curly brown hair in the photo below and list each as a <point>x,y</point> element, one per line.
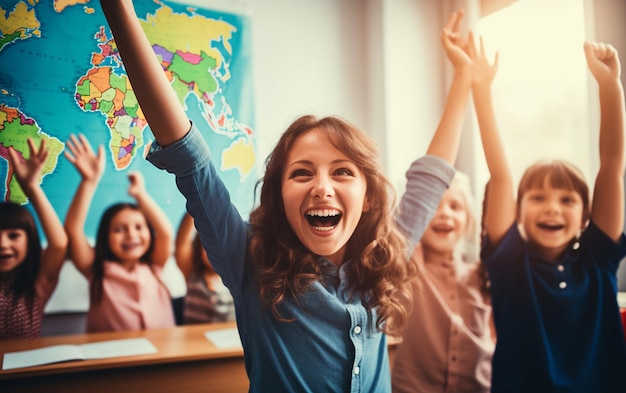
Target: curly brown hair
<point>380,268</point>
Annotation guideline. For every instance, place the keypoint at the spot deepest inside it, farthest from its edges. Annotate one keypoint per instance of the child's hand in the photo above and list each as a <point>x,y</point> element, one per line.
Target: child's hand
<point>456,46</point>
<point>603,61</point>
<point>483,72</point>
<point>89,165</point>
<point>28,171</point>
<point>137,184</point>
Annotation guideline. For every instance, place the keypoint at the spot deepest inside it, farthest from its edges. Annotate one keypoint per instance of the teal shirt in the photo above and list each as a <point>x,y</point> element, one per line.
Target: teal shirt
<point>332,345</point>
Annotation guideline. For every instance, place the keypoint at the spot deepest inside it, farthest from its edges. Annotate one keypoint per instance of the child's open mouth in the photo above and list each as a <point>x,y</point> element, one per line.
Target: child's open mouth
<point>550,226</point>
<point>442,228</point>
<point>130,246</point>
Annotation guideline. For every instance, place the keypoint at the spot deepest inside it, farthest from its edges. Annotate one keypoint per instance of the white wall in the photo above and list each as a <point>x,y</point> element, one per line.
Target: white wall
<point>376,63</point>
<point>413,80</point>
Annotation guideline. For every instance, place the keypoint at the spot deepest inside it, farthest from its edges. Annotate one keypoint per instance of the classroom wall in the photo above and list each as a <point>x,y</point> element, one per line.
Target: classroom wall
<point>377,63</point>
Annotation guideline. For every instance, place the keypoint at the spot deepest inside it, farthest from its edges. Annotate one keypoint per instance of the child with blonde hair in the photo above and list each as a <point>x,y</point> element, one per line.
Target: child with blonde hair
<point>448,342</point>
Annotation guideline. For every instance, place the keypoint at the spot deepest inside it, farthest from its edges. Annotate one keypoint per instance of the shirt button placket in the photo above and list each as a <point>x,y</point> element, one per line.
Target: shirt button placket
<point>357,331</point>
<point>561,269</point>
<point>357,336</point>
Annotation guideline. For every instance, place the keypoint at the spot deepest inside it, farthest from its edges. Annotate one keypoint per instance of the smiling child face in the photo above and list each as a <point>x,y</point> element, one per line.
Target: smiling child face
<point>13,248</point>
<point>129,235</point>
<point>551,218</point>
<point>448,225</point>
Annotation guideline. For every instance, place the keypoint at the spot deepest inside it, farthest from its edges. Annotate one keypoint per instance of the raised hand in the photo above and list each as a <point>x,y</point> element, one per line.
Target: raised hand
<point>137,184</point>
<point>81,155</point>
<point>28,174</point>
<point>455,44</point>
<point>499,209</point>
<point>28,171</point>
<point>163,233</point>
<point>607,210</point>
<point>91,167</point>
<point>445,141</point>
<point>603,61</point>
<point>483,72</point>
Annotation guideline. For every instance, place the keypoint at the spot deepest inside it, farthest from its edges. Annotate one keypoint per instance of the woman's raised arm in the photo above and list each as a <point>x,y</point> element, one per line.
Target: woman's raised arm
<point>158,101</point>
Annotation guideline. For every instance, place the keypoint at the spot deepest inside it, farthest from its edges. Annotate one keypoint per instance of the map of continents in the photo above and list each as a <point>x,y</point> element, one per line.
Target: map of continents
<point>60,74</point>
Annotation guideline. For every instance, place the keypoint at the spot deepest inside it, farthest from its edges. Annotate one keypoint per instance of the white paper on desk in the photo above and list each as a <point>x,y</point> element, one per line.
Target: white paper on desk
<point>115,348</point>
<point>35,357</point>
<point>224,338</point>
<point>63,353</point>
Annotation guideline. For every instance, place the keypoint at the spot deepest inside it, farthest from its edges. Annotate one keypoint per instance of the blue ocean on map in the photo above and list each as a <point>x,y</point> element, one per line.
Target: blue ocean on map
<point>39,78</point>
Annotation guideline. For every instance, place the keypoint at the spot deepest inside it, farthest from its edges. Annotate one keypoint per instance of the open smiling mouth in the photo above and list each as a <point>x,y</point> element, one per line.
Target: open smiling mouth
<point>323,220</point>
<point>128,247</point>
<point>550,227</point>
<point>443,229</point>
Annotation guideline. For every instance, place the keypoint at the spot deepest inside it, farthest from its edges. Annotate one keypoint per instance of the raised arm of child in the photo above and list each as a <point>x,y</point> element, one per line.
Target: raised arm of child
<point>162,242</point>
<point>183,251</point>
<point>159,103</point>
<point>445,141</point>
<point>607,210</point>
<point>418,204</point>
<point>91,167</point>
<point>500,205</point>
<point>28,175</point>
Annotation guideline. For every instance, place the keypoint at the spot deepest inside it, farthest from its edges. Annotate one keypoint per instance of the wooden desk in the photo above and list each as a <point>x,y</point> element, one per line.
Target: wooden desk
<point>186,361</point>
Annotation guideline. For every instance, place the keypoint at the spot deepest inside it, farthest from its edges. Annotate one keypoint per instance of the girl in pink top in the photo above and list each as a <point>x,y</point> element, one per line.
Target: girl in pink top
<point>132,245</point>
<point>448,342</point>
<point>28,273</point>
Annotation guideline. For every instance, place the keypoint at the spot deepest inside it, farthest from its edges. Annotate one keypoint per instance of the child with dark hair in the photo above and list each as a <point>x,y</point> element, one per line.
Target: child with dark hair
<point>28,272</point>
<point>552,253</point>
<point>207,299</point>
<point>133,243</point>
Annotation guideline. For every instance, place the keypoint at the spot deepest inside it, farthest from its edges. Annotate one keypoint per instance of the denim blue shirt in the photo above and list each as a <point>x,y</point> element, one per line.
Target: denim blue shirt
<point>332,344</point>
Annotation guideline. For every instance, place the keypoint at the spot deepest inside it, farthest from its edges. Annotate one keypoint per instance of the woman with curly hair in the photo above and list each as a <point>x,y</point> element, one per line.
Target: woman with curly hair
<point>317,271</point>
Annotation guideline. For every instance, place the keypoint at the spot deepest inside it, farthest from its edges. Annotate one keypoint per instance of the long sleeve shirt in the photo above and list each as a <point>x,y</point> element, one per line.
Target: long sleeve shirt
<point>447,345</point>
<point>332,344</point>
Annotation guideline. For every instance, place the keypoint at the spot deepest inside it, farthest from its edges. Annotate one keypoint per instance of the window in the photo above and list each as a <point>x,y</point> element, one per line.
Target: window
<point>541,91</point>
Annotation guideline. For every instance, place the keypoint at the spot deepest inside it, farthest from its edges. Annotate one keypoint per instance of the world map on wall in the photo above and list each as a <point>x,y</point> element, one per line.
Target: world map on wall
<point>61,75</point>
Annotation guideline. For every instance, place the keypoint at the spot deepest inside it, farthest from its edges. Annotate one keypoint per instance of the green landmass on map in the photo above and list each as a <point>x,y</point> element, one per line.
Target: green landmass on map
<point>192,50</point>
<point>15,130</point>
<point>197,69</point>
<point>18,24</point>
